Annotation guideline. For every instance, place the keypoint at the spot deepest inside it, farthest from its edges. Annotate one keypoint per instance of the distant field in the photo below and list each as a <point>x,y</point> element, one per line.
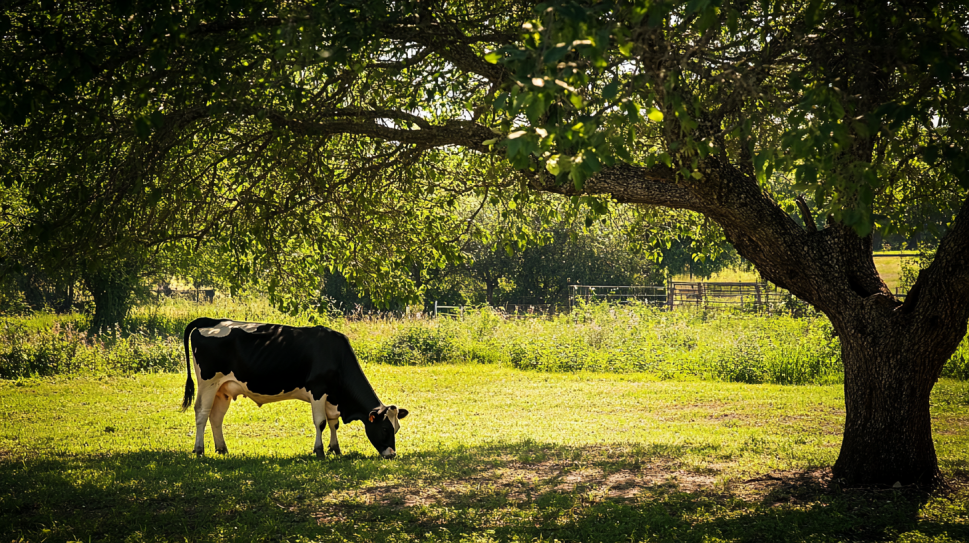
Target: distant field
<point>890,267</point>
<point>488,454</point>
<point>725,276</point>
<point>890,270</point>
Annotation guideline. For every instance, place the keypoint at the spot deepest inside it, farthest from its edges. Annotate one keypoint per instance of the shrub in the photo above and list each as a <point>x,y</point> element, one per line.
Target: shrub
<point>416,344</point>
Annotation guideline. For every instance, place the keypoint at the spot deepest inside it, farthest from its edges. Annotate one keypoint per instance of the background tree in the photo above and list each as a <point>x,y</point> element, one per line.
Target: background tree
<point>332,134</point>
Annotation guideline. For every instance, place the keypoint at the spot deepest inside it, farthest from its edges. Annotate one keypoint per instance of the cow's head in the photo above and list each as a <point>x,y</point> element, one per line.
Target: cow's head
<point>381,425</point>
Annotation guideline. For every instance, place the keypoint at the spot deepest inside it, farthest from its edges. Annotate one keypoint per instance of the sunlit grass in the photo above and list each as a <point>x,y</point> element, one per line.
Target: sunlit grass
<point>730,275</point>
<point>487,454</point>
<point>890,268</point>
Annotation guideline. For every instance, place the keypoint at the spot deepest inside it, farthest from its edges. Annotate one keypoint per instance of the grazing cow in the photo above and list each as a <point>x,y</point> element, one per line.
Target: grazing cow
<point>270,363</point>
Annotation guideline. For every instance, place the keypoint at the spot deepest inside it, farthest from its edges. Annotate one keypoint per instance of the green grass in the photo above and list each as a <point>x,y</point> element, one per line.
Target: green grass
<point>890,269</point>
<point>487,454</point>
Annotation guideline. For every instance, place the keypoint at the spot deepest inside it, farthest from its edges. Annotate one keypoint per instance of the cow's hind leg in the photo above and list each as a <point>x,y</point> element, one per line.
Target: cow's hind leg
<point>333,421</point>
<point>219,407</point>
<point>203,406</point>
<point>334,426</point>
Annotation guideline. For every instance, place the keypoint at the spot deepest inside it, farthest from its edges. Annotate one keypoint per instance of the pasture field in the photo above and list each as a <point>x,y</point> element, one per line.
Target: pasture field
<point>488,454</point>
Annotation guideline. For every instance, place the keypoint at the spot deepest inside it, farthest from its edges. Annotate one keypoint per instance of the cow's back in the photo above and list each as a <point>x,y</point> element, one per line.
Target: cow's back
<point>270,358</point>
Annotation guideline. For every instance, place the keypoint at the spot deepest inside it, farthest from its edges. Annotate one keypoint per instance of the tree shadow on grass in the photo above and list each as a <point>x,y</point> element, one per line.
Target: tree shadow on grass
<point>499,491</point>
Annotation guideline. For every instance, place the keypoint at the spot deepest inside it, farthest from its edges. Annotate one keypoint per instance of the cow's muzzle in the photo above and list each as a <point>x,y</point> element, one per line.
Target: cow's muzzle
<point>388,453</point>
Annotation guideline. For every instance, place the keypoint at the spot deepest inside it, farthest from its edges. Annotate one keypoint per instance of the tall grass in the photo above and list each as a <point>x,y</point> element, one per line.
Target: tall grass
<point>723,346</point>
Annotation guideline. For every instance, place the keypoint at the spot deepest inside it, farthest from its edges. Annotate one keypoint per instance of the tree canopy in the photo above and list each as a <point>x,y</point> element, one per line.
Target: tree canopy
<point>337,135</point>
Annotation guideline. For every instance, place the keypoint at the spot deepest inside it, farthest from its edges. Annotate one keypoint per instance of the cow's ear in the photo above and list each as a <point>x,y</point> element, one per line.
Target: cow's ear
<point>401,413</point>
<point>374,414</point>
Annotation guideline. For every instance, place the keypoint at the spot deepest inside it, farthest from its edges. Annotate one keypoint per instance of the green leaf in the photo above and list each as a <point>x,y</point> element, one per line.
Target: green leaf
<point>611,90</point>
<point>655,115</point>
<point>492,57</point>
<point>838,110</point>
<point>536,109</point>
<point>552,165</point>
<point>142,128</point>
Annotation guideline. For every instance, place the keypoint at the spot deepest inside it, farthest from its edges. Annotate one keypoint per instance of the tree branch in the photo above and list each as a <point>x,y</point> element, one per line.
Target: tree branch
<point>806,214</point>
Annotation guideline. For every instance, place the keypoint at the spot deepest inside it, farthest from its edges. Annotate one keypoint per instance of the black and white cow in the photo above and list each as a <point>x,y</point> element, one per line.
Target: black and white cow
<point>270,363</point>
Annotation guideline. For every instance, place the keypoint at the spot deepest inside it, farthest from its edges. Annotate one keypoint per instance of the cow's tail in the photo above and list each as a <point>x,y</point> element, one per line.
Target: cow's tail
<point>189,383</point>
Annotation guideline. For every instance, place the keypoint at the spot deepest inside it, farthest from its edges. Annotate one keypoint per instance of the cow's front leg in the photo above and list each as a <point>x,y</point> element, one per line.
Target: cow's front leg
<point>203,406</point>
<point>319,420</point>
<point>219,408</point>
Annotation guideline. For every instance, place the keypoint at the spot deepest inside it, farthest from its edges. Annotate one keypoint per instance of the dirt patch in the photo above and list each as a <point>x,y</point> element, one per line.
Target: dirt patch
<point>566,483</point>
<point>525,482</point>
<point>779,480</point>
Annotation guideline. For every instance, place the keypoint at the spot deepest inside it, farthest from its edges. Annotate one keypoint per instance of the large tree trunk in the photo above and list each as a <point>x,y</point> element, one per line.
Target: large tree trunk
<point>893,355</point>
<point>888,429</point>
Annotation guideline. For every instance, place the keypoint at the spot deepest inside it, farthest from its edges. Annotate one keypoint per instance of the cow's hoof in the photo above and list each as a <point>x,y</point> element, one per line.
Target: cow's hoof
<point>199,452</point>
<point>335,450</point>
<point>223,450</point>
<point>320,453</point>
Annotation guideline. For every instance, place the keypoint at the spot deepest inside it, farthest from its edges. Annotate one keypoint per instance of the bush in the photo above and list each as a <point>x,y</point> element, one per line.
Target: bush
<point>62,349</point>
<point>728,346</point>
<point>958,366</point>
<point>416,344</point>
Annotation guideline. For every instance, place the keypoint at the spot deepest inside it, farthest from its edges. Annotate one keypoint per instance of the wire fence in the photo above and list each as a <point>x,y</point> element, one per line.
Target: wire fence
<point>758,297</point>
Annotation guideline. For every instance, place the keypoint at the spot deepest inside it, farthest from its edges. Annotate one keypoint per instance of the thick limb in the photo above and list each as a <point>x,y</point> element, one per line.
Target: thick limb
<point>203,407</point>
<point>334,425</point>
<point>219,408</point>
<point>333,421</point>
<point>319,421</point>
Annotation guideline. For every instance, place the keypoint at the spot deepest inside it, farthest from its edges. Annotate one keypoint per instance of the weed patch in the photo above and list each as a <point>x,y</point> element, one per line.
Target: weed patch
<point>731,346</point>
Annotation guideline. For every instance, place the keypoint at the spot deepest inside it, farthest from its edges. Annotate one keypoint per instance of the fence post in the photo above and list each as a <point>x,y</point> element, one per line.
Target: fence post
<point>669,294</point>
<point>435,308</point>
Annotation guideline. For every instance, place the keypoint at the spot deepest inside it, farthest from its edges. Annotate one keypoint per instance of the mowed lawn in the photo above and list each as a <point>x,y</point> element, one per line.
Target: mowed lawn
<point>487,454</point>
